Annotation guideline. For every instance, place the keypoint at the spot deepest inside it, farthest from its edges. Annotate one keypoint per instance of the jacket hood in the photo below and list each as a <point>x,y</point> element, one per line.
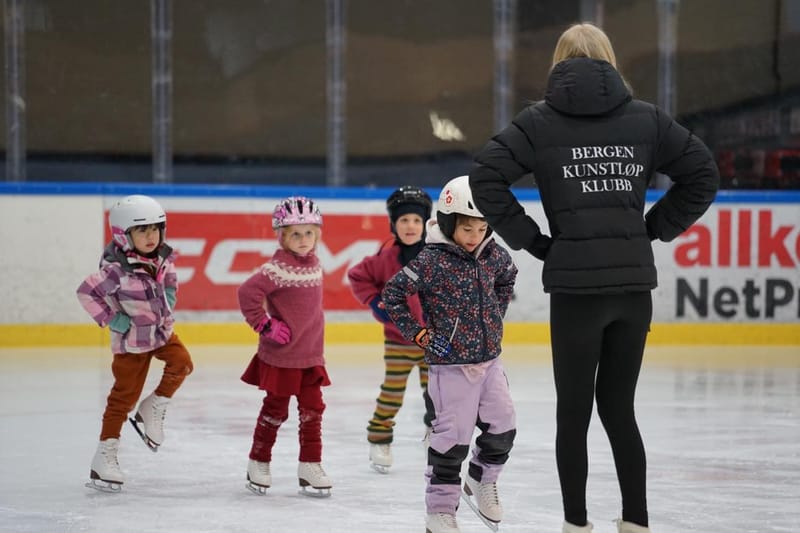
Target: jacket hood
<point>435,235</point>
<point>583,86</point>
<point>131,260</point>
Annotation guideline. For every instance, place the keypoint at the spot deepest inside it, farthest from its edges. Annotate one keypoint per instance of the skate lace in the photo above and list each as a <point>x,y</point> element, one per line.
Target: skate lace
<point>109,455</point>
<point>261,468</point>
<point>159,413</point>
<point>487,492</point>
<point>448,520</point>
<point>315,471</point>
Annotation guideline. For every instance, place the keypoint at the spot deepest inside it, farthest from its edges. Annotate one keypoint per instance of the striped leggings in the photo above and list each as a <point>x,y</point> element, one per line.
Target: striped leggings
<point>399,360</point>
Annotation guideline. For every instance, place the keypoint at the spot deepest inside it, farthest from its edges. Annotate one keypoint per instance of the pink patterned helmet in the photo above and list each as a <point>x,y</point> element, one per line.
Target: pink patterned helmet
<point>296,210</point>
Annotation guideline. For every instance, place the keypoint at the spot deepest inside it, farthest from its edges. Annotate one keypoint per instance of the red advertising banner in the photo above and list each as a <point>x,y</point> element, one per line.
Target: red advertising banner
<point>218,251</point>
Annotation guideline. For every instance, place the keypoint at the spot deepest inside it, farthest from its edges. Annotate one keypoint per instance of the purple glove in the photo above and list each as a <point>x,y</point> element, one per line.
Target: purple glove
<point>276,331</point>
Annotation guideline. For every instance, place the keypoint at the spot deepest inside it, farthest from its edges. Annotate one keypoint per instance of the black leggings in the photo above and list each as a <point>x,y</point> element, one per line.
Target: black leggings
<point>598,342</point>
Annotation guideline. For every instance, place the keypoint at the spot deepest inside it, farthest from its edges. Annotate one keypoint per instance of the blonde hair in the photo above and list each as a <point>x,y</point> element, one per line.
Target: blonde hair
<point>584,40</point>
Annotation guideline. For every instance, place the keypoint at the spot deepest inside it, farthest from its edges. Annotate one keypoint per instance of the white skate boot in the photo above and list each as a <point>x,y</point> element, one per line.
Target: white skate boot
<point>380,457</point>
<point>105,474</point>
<point>572,528</point>
<point>312,475</point>
<point>484,501</point>
<point>630,527</point>
<point>259,478</point>
<point>441,523</point>
<point>149,420</point>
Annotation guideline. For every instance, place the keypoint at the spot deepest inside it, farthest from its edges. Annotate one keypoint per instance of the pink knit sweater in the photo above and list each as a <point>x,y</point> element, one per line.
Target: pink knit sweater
<point>289,288</point>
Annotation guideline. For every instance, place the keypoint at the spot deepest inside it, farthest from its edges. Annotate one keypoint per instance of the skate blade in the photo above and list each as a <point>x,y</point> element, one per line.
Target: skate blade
<point>259,490</point>
<point>491,524</point>
<point>149,443</point>
<point>312,492</point>
<point>381,469</point>
<point>104,486</point>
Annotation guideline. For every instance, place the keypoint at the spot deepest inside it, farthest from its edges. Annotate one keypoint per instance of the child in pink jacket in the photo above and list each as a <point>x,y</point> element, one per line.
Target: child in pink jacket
<point>134,293</point>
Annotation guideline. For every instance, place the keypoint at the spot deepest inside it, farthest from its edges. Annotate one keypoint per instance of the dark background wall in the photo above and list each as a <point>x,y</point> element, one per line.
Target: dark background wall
<point>249,83</point>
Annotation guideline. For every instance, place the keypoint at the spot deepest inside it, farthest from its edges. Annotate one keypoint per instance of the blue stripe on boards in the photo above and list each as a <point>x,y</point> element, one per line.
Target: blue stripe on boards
<point>343,193</point>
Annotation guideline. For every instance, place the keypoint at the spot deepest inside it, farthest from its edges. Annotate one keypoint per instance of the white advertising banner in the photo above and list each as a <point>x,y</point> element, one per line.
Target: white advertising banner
<point>739,263</point>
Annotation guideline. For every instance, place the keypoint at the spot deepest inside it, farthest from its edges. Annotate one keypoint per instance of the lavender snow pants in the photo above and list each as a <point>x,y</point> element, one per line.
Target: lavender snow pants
<point>463,397</point>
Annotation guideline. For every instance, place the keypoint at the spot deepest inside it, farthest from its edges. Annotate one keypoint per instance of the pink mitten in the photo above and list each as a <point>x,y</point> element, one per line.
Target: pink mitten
<point>276,331</point>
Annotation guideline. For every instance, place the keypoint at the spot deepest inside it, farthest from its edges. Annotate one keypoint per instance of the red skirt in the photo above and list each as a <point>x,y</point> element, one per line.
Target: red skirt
<point>283,381</point>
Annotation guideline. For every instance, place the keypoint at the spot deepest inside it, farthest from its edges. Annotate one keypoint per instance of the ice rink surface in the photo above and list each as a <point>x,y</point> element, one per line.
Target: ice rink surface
<point>721,427</point>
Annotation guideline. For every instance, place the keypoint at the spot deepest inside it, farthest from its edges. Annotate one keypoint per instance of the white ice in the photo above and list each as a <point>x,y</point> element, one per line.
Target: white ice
<point>721,428</point>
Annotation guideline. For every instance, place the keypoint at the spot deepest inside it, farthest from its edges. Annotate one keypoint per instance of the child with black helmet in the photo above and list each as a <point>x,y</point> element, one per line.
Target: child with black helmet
<point>464,281</point>
<point>409,208</point>
<point>134,293</point>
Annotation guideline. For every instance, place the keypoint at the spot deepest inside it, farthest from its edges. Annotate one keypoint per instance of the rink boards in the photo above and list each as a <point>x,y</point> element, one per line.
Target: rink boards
<point>733,278</point>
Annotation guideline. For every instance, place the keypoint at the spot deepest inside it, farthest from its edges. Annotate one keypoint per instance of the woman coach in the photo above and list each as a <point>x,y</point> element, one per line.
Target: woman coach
<point>593,151</point>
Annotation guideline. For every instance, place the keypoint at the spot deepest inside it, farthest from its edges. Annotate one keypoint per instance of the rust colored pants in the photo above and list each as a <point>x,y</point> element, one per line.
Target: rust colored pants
<point>130,373</point>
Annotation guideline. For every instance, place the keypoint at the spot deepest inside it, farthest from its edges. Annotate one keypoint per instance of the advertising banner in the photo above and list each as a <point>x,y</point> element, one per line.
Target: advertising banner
<point>740,262</point>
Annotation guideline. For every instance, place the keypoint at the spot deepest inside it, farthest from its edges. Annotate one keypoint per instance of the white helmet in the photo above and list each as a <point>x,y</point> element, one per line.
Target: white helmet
<point>455,199</point>
<point>135,210</point>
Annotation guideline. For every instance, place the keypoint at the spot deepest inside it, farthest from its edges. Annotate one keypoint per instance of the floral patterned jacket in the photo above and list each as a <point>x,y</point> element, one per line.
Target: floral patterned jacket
<point>463,295</point>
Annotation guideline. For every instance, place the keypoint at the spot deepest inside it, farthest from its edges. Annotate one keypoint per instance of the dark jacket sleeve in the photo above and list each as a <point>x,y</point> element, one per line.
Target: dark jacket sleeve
<point>504,160</point>
<point>504,282</point>
<point>689,164</point>
<point>395,297</point>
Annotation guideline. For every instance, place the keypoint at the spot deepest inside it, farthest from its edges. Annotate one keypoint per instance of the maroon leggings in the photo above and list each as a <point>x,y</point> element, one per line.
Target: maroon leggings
<point>275,411</point>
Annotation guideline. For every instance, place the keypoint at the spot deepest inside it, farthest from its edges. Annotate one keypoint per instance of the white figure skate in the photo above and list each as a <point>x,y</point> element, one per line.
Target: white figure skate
<point>380,457</point>
<point>312,476</point>
<point>630,527</point>
<point>106,475</point>
<point>484,501</point>
<point>259,478</point>
<point>441,523</point>
<point>149,420</point>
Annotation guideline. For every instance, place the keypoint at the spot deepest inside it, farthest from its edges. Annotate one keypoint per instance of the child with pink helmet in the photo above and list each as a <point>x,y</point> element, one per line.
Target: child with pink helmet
<point>282,302</point>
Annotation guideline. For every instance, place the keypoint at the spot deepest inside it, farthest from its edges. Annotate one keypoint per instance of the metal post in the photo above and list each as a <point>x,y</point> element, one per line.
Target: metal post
<point>504,16</point>
<point>161,85</point>
<point>15,90</point>
<point>592,11</point>
<point>336,88</point>
<point>667,45</point>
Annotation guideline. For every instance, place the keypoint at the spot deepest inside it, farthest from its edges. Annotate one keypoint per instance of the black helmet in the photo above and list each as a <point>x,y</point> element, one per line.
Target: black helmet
<point>408,199</point>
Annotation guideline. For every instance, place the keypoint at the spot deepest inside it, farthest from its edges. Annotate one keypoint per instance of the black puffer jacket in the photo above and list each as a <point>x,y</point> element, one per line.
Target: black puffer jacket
<point>593,150</point>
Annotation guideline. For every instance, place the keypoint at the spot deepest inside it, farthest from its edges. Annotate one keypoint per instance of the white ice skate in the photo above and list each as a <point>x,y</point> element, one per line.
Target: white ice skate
<point>149,420</point>
<point>259,478</point>
<point>630,527</point>
<point>105,474</point>
<point>572,528</point>
<point>380,457</point>
<point>312,475</point>
<point>484,501</point>
<point>441,523</point>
